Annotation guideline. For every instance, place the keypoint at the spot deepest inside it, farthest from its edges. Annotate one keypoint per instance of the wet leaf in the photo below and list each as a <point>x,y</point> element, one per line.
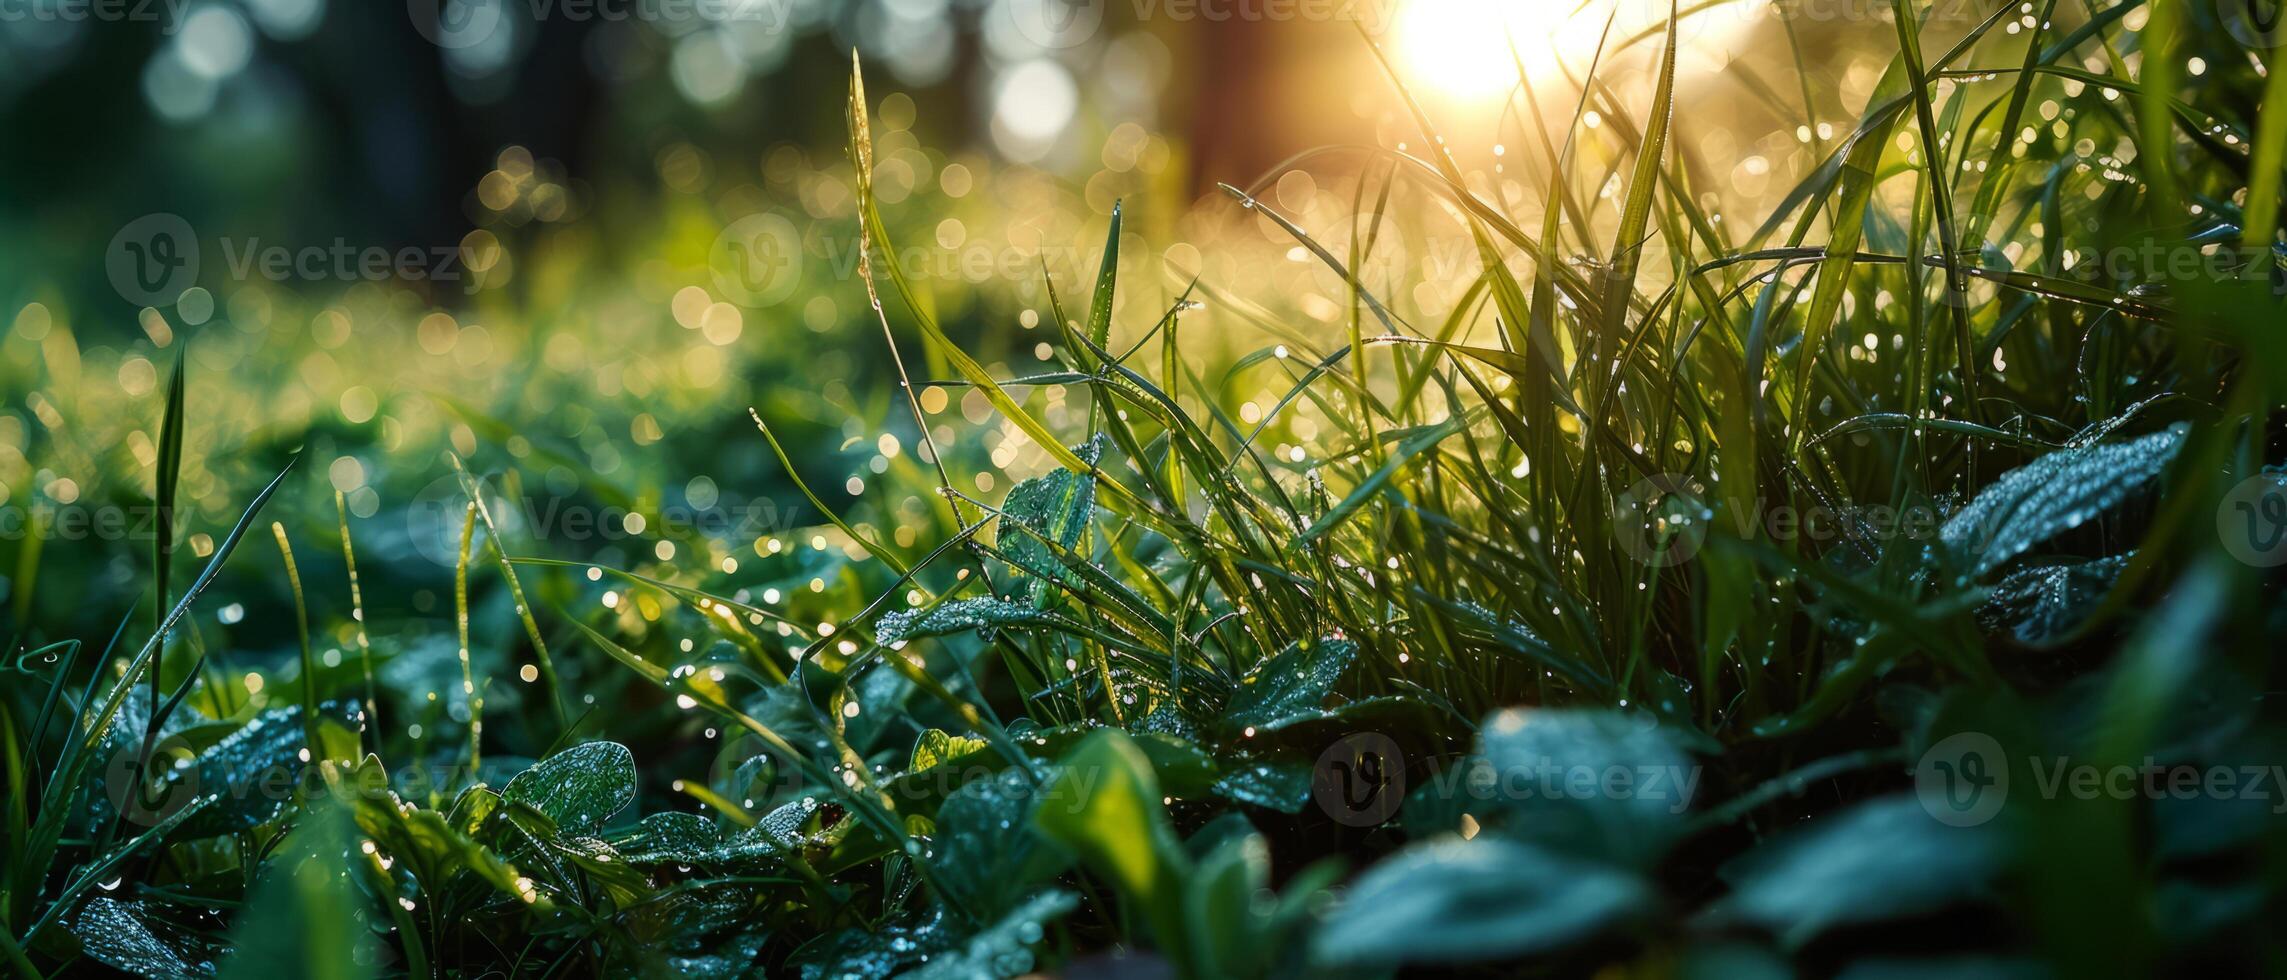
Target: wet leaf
<point>1886,859</point>
<point>579,788</point>
<point>2054,494</point>
<point>1056,506</point>
<point>1458,901</point>
<point>954,617</point>
<point>1586,783</point>
<point>1293,682</point>
<point>128,936</point>
<point>2045,603</point>
<point>988,853</point>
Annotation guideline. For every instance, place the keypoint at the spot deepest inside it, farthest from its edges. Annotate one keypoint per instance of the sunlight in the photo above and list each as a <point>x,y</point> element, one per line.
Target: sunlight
<point>1461,50</point>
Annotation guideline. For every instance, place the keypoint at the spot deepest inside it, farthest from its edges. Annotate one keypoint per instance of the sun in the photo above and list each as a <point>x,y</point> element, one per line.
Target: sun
<point>1461,49</point>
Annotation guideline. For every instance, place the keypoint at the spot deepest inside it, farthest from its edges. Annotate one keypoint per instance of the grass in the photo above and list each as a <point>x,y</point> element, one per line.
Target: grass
<point>1556,524</point>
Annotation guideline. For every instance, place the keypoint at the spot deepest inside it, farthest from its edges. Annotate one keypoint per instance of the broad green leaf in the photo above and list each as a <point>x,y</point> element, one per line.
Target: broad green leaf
<point>936,747</point>
<point>956,616</point>
<point>1058,506</point>
<point>1005,948</point>
<point>2054,494</point>
<point>988,853</point>
<point>1586,783</point>
<point>1294,681</point>
<point>579,788</point>
<point>1460,901</point>
<point>1282,785</point>
<point>1881,860</point>
<point>1104,805</point>
<point>305,919</point>
<point>132,936</point>
<point>2045,603</point>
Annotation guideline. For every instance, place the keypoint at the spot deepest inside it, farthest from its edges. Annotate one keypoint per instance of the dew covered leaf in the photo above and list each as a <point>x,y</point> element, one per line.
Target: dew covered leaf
<point>1003,949</point>
<point>1885,859</point>
<point>1293,682</point>
<point>989,855</point>
<point>2045,603</point>
<point>303,920</point>
<point>1587,783</point>
<point>579,788</point>
<point>1282,785</point>
<point>1057,507</point>
<point>130,936</point>
<point>936,747</point>
<point>954,617</point>
<point>2054,494</point>
<point>1455,901</point>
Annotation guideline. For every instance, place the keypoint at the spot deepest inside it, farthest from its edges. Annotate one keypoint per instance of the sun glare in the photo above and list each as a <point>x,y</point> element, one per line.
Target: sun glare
<point>1461,50</point>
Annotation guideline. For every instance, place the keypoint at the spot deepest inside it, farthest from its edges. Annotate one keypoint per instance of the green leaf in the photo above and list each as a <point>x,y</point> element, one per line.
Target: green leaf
<point>1282,785</point>
<point>1588,783</point>
<point>304,920</point>
<point>936,747</point>
<point>579,788</point>
<point>1295,681</point>
<point>1104,805</point>
<point>1004,949</point>
<point>1057,507</point>
<point>1881,860</point>
<point>2054,494</point>
<point>1107,273</point>
<point>2046,603</point>
<point>989,855</point>
<point>1459,901</point>
<point>954,617</point>
<point>129,936</point>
